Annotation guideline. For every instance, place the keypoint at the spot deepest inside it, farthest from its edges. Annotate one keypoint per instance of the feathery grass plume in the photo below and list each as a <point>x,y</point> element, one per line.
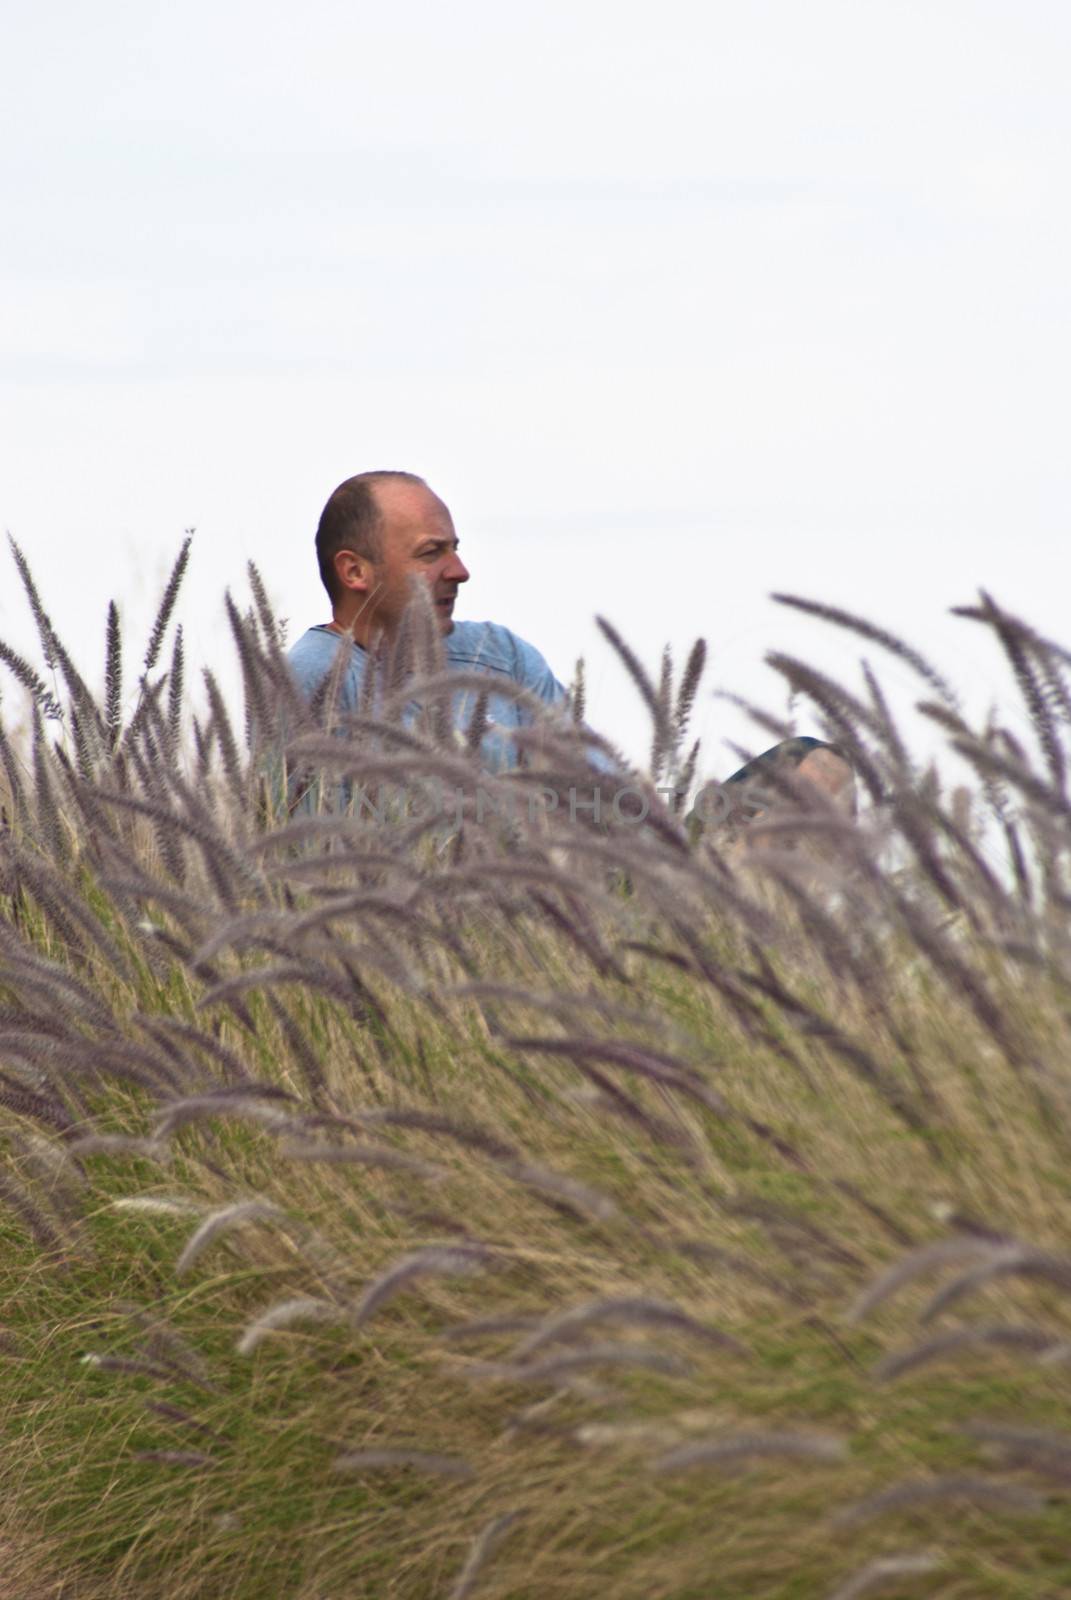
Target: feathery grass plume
<point>286,1314</point>
<point>689,688</point>
<point>469,1134</point>
<point>158,1205</point>
<point>1018,644</point>
<point>451,1261</point>
<point>565,1326</point>
<point>919,1263</point>
<point>880,636</point>
<point>223,1221</point>
<point>161,1029</point>
<point>478,725</point>
<point>316,975</point>
<point>578,1199</point>
<point>49,706</point>
<point>172,1413</point>
<point>43,1228</point>
<point>16,790</point>
<point>631,662</point>
<point>729,1449</point>
<point>167,604</point>
<point>189,1460</point>
<point>126,1365</point>
<point>35,1107</point>
<point>69,910</point>
<point>269,625</point>
<point>65,995</point>
<point>53,1167</point>
<point>809,1021</point>
<point>480,1549</point>
<point>202,1108</point>
<point>52,648</point>
<point>120,1144</point>
<point>578,693</point>
<point>987,1494</point>
<point>1015,772</point>
<point>884,1572</point>
<point>1004,1336</point>
<point>384,1458</point>
<point>203,744</point>
<point>232,873</point>
<point>1005,1261</point>
<point>176,683</point>
<point>553,1368</point>
<point>663,731</point>
<point>259,714</point>
<point>686,779</point>
<point>224,737</point>
<point>305,1057</point>
<point>884,724</point>
<point>1041,1448</point>
<point>844,715</point>
<point>48,823</point>
<point>113,676</point>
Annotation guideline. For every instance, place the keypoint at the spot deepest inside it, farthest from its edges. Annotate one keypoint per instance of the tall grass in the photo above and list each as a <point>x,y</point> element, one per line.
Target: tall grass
<point>525,1203</point>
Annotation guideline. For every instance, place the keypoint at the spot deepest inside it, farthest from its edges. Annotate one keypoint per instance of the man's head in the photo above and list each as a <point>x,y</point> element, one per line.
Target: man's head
<point>378,533</point>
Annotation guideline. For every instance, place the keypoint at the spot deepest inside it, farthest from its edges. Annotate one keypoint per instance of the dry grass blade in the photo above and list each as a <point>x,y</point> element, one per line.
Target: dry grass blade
<point>384,1459</point>
<point>555,1368</point>
<point>362,1155</point>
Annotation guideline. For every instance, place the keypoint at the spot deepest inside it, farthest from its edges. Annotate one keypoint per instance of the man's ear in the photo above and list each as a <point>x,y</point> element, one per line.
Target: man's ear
<point>353,572</point>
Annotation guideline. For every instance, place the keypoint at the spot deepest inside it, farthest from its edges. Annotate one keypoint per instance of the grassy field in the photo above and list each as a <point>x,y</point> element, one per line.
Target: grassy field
<point>526,1206</point>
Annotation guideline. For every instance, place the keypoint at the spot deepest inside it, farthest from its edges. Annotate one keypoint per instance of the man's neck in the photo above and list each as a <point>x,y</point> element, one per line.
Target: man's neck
<point>350,630</point>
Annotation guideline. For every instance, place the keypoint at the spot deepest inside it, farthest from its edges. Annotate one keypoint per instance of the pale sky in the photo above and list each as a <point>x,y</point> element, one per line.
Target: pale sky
<point>675,305</point>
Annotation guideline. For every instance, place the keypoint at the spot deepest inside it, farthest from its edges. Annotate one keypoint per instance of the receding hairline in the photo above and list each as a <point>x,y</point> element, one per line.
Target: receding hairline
<point>354,517</point>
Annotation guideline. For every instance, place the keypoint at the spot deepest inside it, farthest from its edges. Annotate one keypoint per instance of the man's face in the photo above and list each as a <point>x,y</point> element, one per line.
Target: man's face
<point>419,542</point>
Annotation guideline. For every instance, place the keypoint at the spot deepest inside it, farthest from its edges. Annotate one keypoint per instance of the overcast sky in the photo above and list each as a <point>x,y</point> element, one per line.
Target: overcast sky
<point>675,305</point>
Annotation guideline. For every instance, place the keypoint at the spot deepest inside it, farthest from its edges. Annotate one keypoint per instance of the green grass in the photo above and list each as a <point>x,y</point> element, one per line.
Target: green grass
<point>796,1110</point>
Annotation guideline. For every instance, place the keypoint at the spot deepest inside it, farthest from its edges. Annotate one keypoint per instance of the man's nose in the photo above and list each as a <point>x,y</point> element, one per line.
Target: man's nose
<point>456,570</point>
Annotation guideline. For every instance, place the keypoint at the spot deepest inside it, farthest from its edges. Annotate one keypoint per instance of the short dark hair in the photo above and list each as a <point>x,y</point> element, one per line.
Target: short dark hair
<point>352,520</point>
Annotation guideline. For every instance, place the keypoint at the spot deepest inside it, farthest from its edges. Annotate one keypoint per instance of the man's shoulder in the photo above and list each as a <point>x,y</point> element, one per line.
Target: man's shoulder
<point>312,656</point>
<point>495,648</point>
<point>483,644</point>
<point>314,643</point>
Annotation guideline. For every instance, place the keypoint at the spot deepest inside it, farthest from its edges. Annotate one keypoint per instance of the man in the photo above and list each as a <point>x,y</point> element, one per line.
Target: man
<point>381,531</point>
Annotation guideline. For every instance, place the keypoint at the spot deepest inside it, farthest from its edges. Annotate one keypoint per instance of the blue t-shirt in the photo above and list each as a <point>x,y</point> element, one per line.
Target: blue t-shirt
<point>485,647</point>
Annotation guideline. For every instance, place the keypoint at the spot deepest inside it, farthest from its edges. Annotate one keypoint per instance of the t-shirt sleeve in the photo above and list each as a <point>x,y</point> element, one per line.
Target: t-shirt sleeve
<point>533,674</point>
